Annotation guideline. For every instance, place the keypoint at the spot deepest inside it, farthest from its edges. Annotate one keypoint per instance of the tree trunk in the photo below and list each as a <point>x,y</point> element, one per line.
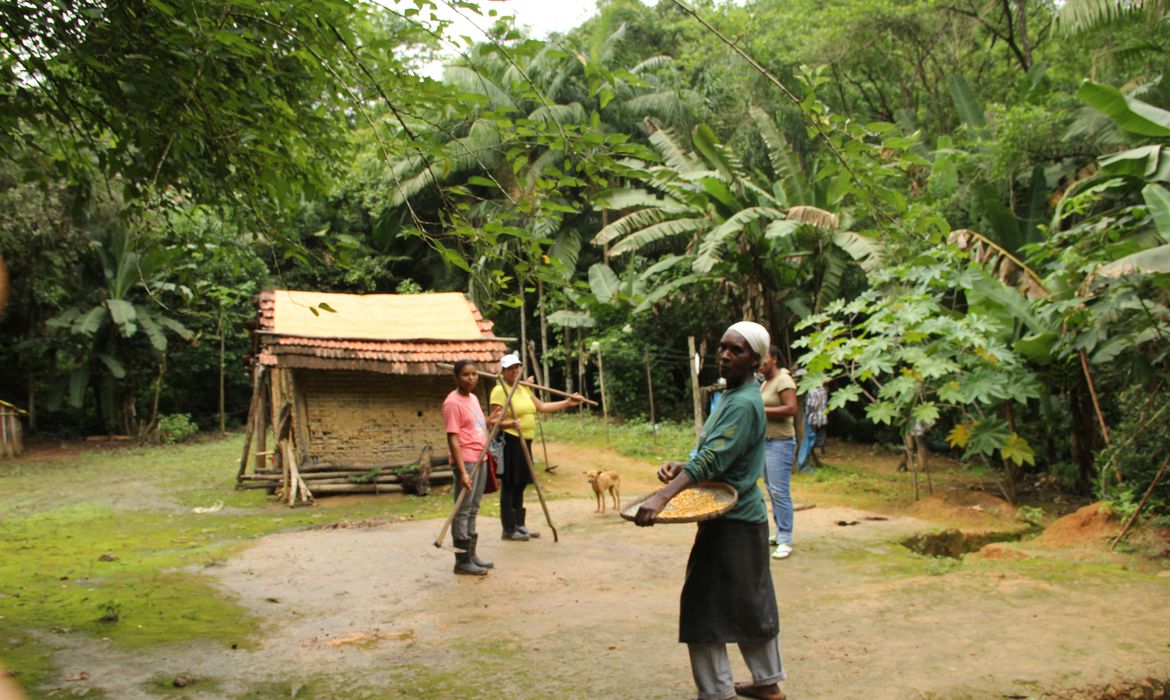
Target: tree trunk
<point>523,320</point>
<point>222,412</point>
<point>568,360</point>
<point>544,365</point>
<point>693,360</point>
<point>5,287</point>
<point>1085,439</point>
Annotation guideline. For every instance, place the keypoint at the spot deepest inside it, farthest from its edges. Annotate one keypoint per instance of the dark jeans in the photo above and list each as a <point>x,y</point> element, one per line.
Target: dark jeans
<point>511,497</point>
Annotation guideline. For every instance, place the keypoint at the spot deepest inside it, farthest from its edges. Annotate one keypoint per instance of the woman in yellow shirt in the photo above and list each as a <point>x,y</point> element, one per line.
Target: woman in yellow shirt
<point>519,419</point>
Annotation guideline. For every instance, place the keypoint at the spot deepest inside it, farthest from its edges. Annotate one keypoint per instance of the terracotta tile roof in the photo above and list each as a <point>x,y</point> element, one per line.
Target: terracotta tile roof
<point>447,324</point>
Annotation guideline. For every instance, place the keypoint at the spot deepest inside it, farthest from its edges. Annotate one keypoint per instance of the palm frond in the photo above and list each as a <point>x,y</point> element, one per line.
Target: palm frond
<point>652,64</point>
<point>814,216</point>
<point>713,241</point>
<point>630,222</point>
<point>636,198</point>
<point>667,145</point>
<point>665,105</point>
<point>476,150</point>
<point>566,248</point>
<point>1078,16</point>
<point>784,166</point>
<point>606,51</point>
<point>479,82</point>
<point>657,232</point>
<point>572,113</point>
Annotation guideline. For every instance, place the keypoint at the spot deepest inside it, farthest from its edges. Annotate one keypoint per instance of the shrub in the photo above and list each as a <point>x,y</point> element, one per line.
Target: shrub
<point>175,428</point>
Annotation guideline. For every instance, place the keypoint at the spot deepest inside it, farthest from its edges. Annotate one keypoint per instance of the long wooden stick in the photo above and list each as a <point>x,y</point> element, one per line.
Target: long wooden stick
<point>548,466</point>
<point>252,420</point>
<point>535,483</point>
<point>475,470</point>
<point>530,385</point>
<point>1141,505</point>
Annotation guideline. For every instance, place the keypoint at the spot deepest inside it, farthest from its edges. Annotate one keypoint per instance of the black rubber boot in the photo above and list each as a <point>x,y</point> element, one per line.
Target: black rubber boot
<point>481,563</point>
<point>508,517</point>
<point>463,564</point>
<point>520,515</point>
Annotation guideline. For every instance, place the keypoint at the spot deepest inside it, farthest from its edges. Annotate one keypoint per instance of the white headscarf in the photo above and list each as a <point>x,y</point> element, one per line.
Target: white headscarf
<point>757,336</point>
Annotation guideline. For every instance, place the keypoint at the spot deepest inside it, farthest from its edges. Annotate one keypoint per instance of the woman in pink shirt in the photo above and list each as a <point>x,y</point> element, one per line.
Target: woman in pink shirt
<point>466,440</point>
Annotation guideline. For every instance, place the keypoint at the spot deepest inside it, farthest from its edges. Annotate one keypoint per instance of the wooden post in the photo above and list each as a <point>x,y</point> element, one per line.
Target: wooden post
<point>536,367</point>
<point>695,362</point>
<point>300,418</point>
<point>920,446</point>
<point>604,400</point>
<point>5,443</point>
<point>650,388</point>
<point>911,462</point>
<point>544,366</point>
<point>252,419</point>
<point>222,411</point>
<point>261,458</point>
<point>568,359</point>
<point>580,365</point>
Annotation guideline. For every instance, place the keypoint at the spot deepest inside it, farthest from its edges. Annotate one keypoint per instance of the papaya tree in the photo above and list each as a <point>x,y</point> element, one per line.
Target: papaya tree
<point>918,359</point>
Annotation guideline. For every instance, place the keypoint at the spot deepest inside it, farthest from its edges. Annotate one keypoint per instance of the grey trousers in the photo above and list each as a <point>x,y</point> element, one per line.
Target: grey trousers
<point>463,525</point>
<point>712,669</point>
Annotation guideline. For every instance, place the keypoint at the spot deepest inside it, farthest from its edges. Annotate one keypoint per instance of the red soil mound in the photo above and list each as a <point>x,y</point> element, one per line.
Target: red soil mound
<point>1090,526</point>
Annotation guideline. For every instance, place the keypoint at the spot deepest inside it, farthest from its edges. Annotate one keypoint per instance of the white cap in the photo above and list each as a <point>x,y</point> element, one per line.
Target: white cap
<point>510,360</point>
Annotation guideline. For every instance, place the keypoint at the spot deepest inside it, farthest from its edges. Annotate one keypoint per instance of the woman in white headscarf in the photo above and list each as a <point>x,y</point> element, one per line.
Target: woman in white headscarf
<point>728,594</point>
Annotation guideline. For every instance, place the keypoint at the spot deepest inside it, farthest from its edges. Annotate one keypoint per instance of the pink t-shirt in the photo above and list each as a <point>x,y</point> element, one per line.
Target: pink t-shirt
<point>464,417</point>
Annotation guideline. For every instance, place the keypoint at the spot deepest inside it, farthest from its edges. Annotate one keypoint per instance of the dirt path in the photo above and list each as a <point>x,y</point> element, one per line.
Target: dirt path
<point>375,612</point>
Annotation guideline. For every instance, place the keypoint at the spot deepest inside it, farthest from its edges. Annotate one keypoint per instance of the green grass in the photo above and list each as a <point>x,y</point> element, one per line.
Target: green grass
<point>111,531</point>
<point>636,439</point>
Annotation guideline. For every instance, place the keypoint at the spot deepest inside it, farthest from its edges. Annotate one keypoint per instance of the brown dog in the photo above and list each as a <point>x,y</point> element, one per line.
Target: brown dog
<point>602,482</point>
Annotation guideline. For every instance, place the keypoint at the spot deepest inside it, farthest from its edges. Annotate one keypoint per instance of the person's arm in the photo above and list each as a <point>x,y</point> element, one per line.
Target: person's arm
<point>554,406</point>
<point>725,442</point>
<point>676,481</point>
<point>786,408</point>
<point>457,460</point>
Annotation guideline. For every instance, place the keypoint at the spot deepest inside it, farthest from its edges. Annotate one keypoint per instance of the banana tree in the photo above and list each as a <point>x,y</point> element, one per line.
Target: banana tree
<point>128,307</point>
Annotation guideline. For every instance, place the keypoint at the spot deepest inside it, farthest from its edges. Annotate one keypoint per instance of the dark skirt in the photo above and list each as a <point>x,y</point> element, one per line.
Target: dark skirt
<point>728,594</point>
<point>516,473</point>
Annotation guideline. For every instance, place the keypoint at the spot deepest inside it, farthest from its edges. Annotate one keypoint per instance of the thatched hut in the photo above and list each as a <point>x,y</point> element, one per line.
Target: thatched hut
<point>351,389</point>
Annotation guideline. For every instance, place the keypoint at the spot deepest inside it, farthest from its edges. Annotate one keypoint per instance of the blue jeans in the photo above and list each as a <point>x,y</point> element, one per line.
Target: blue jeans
<point>778,457</point>
<point>806,447</point>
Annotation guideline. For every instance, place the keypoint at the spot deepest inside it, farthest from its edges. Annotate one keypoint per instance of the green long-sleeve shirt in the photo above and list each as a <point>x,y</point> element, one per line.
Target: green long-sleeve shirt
<point>731,450</point>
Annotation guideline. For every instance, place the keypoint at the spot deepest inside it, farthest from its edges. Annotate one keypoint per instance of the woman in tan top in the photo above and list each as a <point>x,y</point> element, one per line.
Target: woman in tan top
<point>779,394</point>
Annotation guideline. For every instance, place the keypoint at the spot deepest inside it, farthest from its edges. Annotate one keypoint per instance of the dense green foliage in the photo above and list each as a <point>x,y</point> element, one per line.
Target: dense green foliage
<point>957,216</point>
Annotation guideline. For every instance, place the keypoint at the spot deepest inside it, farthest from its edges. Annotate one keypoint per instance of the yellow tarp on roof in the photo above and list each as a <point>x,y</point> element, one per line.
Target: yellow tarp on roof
<point>435,316</point>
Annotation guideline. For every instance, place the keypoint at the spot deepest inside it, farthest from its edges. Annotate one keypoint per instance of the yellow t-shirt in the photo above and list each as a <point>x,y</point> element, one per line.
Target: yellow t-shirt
<point>522,407</point>
<point>770,392</point>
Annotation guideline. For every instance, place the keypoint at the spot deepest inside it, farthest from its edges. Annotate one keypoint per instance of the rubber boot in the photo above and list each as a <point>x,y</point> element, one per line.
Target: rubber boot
<point>520,515</point>
<point>463,564</point>
<point>510,532</point>
<point>481,563</point>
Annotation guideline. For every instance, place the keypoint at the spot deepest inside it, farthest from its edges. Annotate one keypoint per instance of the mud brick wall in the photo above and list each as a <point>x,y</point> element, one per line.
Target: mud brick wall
<point>363,418</point>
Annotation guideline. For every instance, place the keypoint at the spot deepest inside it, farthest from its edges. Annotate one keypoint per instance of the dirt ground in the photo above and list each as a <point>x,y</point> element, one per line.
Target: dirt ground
<point>374,611</point>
